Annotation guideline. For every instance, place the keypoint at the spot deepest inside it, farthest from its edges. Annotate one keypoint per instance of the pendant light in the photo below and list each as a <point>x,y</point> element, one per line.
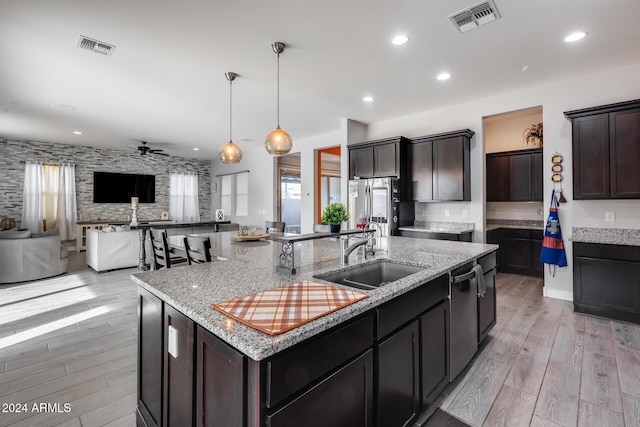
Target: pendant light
<point>230,153</point>
<point>278,142</point>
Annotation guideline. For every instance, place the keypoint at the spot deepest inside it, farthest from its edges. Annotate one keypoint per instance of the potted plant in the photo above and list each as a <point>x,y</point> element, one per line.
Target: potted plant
<point>533,135</point>
<point>334,215</point>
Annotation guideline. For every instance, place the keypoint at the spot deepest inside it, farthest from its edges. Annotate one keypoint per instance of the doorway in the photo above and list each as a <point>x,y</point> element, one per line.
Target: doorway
<point>328,179</point>
<point>289,192</point>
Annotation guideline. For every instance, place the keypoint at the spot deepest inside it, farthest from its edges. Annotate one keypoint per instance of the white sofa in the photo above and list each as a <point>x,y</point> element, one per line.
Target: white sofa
<point>111,250</point>
<point>25,257</point>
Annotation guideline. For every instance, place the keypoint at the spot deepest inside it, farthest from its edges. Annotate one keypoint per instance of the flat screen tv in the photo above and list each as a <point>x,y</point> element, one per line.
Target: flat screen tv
<point>111,187</point>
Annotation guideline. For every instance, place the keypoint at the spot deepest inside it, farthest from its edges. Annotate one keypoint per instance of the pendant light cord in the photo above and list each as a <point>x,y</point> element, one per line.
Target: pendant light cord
<point>230,109</point>
<point>278,97</point>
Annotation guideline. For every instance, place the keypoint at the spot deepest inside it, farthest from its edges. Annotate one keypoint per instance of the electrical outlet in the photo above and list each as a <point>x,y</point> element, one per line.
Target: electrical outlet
<point>465,213</point>
<point>610,217</point>
<point>446,213</point>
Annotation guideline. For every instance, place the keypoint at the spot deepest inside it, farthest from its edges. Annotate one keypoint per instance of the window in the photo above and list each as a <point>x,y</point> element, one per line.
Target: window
<point>183,197</point>
<point>234,194</point>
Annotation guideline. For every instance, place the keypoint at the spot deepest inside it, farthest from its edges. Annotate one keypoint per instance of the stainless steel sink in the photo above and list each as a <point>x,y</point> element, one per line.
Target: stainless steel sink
<point>371,276</point>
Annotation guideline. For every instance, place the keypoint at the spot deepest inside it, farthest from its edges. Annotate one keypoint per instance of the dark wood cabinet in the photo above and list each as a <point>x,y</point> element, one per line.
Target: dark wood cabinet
<point>487,310</point>
<point>434,352</point>
<point>519,251</point>
<point>440,167</point>
<point>421,155</point>
<point>515,176</point>
<point>150,359</point>
<point>606,151</point>
<point>606,280</point>
<point>398,397</point>
<point>177,375</point>
<point>378,159</point>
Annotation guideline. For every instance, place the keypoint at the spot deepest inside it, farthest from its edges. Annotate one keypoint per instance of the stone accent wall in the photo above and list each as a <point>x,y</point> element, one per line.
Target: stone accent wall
<point>88,160</point>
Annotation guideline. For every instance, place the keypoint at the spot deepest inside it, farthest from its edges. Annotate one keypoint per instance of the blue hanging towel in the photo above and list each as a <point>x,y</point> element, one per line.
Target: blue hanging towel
<point>552,245</point>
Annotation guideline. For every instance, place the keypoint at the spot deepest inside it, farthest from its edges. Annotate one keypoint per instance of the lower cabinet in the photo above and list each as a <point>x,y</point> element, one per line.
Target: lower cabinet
<point>519,251</point>
<point>606,280</point>
<point>398,370</point>
<point>466,236</point>
<point>487,310</point>
<point>150,359</point>
<point>434,352</point>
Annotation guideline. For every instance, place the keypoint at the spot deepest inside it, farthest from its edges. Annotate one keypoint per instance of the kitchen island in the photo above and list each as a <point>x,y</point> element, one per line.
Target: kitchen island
<point>197,365</point>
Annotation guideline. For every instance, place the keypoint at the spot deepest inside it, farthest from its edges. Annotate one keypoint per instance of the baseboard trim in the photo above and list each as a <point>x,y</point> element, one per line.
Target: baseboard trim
<point>557,294</point>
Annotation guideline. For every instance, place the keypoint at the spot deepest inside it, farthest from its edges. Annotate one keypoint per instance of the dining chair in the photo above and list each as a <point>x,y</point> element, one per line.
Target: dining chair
<point>161,254</point>
<point>198,249</point>
<point>273,226</point>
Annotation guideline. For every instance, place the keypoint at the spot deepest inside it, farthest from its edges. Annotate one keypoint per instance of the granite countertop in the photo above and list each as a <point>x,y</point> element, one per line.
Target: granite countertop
<point>250,268</point>
<point>493,224</point>
<point>441,227</point>
<point>609,236</point>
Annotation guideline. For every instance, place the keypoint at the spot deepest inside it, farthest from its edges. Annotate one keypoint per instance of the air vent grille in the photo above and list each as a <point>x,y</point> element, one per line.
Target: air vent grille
<point>95,46</point>
<point>474,16</point>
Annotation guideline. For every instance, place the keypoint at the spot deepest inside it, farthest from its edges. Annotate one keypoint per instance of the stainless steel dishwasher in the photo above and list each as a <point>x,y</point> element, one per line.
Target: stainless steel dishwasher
<point>463,342</point>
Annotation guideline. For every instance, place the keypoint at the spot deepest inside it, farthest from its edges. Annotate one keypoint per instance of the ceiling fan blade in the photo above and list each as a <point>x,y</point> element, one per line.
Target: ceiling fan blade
<point>161,154</point>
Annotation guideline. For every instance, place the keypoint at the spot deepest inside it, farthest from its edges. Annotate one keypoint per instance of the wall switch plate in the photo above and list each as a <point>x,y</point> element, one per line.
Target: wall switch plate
<point>446,213</point>
<point>173,342</point>
<point>610,217</point>
<point>465,213</point>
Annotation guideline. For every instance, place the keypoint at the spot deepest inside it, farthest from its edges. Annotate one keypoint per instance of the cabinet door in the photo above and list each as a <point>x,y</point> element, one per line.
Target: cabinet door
<point>537,185</point>
<point>537,267</point>
<point>343,399</point>
<point>385,159</point>
<point>590,136</point>
<point>497,178</point>
<point>434,352</point>
<point>178,368</point>
<point>520,176</point>
<point>361,162</point>
<point>220,382</point>
<point>398,391</point>
<point>150,345</point>
<point>516,252</point>
<point>487,306</point>
<point>421,157</point>
<point>450,169</point>
<point>624,129</point>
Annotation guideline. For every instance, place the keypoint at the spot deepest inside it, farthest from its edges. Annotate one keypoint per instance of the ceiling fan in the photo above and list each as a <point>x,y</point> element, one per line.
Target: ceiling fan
<point>144,149</point>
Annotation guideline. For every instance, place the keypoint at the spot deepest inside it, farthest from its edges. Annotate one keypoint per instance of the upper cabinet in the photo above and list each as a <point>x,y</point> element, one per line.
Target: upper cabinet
<point>377,159</point>
<point>515,176</point>
<point>440,167</point>
<point>606,151</point>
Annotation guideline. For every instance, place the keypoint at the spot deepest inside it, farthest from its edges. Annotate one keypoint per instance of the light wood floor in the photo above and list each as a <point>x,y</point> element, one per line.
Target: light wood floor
<point>72,340</point>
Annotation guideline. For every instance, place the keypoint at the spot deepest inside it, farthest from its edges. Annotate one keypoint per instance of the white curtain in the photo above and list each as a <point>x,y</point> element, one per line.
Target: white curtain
<point>183,197</point>
<point>32,202</point>
<point>49,196</point>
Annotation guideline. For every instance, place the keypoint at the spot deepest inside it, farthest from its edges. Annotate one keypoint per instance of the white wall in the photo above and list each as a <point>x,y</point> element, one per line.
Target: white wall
<point>616,85</point>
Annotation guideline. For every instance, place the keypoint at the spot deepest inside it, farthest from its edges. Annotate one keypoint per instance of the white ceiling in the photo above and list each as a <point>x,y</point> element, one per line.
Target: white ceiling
<point>165,81</point>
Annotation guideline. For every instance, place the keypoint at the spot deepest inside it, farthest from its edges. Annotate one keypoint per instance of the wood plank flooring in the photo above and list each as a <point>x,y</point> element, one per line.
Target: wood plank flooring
<point>544,365</point>
<point>72,340</point>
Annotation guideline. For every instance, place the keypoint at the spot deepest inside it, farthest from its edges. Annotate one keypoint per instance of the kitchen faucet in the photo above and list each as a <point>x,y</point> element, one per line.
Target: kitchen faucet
<point>368,241</point>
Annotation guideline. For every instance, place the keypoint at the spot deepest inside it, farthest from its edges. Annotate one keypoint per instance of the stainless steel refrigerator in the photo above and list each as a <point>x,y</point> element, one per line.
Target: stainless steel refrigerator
<point>378,200</point>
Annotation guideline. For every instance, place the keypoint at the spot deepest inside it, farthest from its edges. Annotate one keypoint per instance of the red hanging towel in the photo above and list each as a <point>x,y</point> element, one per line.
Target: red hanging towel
<point>553,252</point>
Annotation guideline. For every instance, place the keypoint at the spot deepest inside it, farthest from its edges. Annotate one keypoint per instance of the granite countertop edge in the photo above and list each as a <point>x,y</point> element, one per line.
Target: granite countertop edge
<point>440,227</point>
<point>607,236</point>
<point>259,345</point>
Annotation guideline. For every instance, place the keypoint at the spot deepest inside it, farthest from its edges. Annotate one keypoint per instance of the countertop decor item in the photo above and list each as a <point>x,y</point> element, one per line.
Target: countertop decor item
<point>278,142</point>
<point>533,135</point>
<point>334,215</point>
<point>230,153</point>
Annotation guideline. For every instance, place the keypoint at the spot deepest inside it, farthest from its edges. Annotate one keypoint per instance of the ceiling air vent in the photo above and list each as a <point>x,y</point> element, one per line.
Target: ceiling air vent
<point>474,16</point>
<point>95,46</point>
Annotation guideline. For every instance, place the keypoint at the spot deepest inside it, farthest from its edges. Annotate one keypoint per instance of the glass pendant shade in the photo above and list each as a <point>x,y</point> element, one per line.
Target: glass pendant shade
<point>278,142</point>
<point>230,153</point>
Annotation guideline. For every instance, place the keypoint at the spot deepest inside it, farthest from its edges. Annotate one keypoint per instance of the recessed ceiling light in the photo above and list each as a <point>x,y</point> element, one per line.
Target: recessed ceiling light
<point>525,68</point>
<point>196,149</point>
<point>367,98</point>
<point>444,76</point>
<point>575,36</point>
<point>77,132</point>
<point>400,39</point>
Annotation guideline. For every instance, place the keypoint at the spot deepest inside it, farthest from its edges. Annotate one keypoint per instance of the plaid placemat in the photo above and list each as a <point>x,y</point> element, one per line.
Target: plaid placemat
<point>281,309</point>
